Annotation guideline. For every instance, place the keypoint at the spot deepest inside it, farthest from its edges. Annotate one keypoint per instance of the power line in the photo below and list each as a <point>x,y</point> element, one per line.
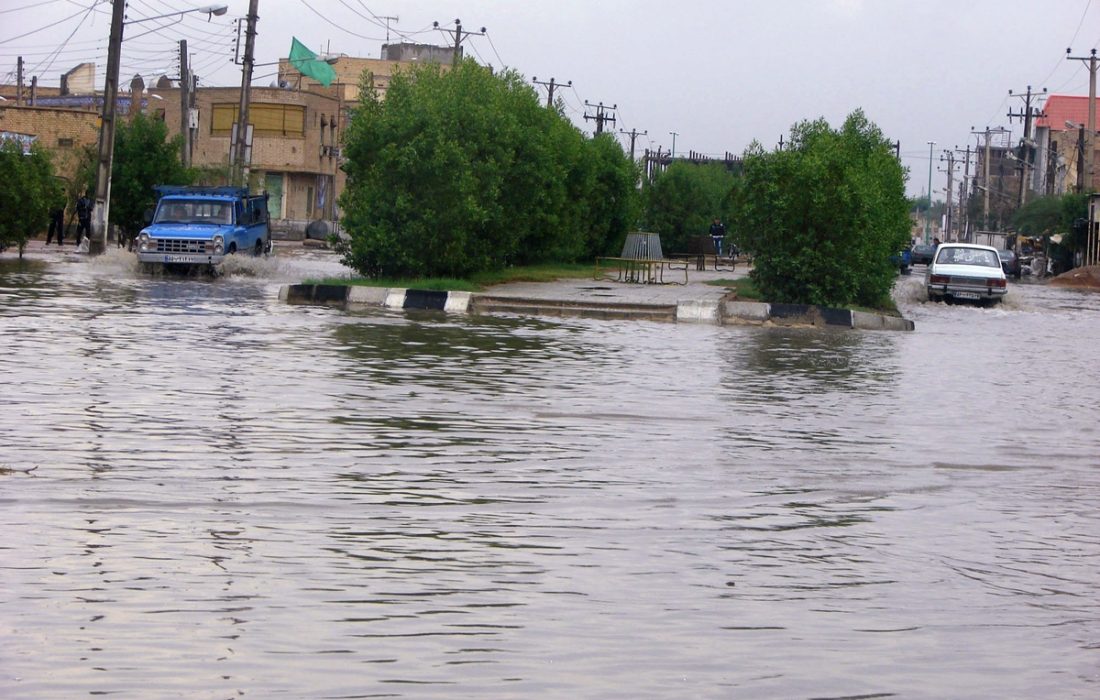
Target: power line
<point>41,29</point>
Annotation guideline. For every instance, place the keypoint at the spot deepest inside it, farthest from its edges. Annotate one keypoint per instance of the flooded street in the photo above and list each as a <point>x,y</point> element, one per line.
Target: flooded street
<point>208,493</point>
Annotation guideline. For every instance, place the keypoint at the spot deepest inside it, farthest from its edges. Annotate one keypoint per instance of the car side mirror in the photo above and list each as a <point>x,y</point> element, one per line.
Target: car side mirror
<point>148,216</point>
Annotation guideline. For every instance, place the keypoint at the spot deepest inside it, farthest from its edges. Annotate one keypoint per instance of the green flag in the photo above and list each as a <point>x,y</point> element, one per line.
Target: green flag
<point>309,65</point>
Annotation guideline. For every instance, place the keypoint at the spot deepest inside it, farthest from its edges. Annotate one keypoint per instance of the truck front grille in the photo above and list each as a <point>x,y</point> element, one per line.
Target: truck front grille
<point>180,246</point>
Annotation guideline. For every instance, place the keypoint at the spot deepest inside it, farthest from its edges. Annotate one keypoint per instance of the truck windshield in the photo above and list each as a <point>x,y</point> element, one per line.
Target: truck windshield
<point>194,212</point>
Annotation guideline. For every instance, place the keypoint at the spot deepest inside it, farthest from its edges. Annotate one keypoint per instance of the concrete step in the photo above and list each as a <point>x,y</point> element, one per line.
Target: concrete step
<point>483,303</point>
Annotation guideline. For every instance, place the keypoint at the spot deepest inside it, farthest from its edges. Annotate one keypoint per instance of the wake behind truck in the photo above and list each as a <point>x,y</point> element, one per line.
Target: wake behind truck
<point>199,226</point>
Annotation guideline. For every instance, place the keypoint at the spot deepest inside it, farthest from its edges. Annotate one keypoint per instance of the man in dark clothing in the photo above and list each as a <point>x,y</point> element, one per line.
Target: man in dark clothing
<point>717,234</point>
<point>84,216</point>
<point>57,224</point>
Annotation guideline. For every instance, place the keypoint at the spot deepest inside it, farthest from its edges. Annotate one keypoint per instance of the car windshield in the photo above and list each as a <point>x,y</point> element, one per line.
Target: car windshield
<point>968,256</point>
<point>1006,254</point>
<point>194,212</point>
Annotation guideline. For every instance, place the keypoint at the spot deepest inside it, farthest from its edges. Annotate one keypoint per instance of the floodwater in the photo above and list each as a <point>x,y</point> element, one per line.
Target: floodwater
<point>210,494</point>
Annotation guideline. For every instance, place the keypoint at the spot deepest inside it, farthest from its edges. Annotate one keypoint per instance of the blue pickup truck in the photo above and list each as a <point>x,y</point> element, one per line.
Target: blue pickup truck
<point>199,226</point>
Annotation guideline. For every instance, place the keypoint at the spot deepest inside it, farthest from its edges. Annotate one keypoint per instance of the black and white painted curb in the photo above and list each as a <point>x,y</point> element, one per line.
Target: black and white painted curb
<point>716,312</point>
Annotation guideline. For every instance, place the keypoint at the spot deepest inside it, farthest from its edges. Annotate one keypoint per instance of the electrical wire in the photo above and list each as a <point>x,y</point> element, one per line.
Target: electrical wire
<point>57,52</point>
<point>41,29</point>
<point>494,47</point>
<point>27,7</point>
<point>348,31</point>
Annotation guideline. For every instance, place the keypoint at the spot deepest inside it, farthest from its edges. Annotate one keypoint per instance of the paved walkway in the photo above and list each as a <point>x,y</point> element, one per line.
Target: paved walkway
<point>596,292</point>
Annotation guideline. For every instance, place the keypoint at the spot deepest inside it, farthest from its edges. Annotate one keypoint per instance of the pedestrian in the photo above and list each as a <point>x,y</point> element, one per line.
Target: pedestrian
<point>84,217</point>
<point>717,234</point>
<point>57,224</point>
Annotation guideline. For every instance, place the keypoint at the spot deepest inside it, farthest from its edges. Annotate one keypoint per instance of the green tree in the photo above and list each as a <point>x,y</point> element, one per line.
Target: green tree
<point>1047,216</point>
<point>822,217</point>
<point>460,171</point>
<point>144,157</point>
<point>28,190</point>
<point>682,202</point>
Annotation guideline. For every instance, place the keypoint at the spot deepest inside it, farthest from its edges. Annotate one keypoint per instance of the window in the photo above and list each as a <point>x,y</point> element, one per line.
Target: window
<point>64,143</point>
<point>266,119</point>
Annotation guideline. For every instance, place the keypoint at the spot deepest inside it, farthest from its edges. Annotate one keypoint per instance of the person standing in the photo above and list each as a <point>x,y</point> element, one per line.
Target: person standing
<point>84,217</point>
<point>717,234</point>
<point>57,224</point>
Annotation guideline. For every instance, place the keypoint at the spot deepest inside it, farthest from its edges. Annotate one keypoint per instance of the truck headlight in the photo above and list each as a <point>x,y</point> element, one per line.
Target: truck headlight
<point>219,245</point>
<point>143,242</point>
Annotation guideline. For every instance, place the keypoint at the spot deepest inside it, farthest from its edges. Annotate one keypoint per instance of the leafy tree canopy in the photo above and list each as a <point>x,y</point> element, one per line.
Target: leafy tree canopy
<point>822,217</point>
<point>682,202</point>
<point>461,171</point>
<point>28,190</point>
<point>144,157</point>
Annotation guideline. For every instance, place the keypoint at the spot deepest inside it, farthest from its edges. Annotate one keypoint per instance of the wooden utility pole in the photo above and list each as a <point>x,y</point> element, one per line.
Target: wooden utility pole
<point>97,242</point>
<point>1090,146</point>
<point>241,151</point>
<point>601,116</point>
<point>633,134</point>
<point>550,86</point>
<point>19,81</point>
<point>1024,156</point>
<point>964,197</point>
<point>460,36</point>
<point>950,194</point>
<point>185,106</point>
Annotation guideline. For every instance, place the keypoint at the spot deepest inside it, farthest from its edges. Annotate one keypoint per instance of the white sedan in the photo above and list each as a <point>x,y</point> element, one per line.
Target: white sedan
<point>965,272</point>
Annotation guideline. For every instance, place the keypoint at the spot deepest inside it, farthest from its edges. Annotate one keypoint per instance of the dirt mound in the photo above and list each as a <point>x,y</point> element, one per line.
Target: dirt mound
<point>1079,278</point>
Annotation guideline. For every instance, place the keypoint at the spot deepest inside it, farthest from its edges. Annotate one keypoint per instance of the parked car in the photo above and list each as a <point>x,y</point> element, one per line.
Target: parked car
<point>922,253</point>
<point>1010,263</point>
<point>902,260</point>
<point>966,272</point>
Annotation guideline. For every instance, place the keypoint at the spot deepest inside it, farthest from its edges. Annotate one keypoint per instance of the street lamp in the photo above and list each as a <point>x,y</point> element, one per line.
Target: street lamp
<point>928,211</point>
<point>98,241</point>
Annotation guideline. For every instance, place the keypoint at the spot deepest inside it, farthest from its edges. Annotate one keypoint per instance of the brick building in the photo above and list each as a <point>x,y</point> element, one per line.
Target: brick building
<point>297,126</point>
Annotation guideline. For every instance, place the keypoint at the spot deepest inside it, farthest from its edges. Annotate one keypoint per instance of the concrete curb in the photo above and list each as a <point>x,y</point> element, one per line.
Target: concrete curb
<point>727,312</point>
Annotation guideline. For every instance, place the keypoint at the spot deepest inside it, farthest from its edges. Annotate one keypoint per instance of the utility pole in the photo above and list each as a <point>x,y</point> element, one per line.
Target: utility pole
<point>928,211</point>
<point>964,197</point>
<point>388,18</point>
<point>1090,146</point>
<point>460,36</point>
<point>1025,156</point>
<point>97,242</point>
<point>185,106</point>
<point>34,90</point>
<point>240,160</point>
<point>550,86</point>
<point>19,81</point>
<point>633,134</point>
<point>601,116</point>
<point>985,169</point>
<point>674,134</point>
<point>950,193</point>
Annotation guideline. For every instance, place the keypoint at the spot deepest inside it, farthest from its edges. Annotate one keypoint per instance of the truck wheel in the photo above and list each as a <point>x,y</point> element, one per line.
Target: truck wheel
<point>258,249</point>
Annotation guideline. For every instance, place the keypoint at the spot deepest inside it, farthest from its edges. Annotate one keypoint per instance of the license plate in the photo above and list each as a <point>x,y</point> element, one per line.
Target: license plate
<point>184,258</point>
<point>967,295</point>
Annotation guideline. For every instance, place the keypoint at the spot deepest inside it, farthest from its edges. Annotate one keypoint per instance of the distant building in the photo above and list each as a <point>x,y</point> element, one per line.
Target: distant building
<point>298,125</point>
<point>1060,135</point>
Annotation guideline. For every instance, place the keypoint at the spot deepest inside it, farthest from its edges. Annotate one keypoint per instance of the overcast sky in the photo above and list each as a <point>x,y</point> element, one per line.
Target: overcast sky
<point>719,73</point>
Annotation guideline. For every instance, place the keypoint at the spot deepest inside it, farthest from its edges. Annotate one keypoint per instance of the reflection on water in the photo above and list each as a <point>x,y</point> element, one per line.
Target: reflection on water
<point>238,497</point>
